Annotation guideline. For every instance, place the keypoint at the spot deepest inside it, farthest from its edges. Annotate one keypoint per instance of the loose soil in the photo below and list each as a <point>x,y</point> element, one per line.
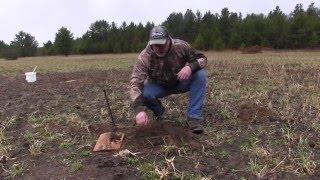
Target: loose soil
<point>77,93</point>
<point>252,113</point>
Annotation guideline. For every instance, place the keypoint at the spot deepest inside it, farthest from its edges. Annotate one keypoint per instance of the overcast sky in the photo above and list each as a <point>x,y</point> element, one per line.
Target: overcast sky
<point>43,18</point>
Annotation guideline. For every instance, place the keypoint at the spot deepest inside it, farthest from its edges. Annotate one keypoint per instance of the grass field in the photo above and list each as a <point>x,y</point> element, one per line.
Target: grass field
<point>262,115</point>
<point>125,61</point>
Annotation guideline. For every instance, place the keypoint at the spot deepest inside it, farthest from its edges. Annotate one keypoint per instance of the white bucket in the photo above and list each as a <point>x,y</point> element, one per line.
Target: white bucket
<point>31,76</point>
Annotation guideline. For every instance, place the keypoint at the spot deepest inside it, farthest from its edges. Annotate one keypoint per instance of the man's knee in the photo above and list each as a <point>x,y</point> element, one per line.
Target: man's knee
<point>200,75</point>
<point>148,95</point>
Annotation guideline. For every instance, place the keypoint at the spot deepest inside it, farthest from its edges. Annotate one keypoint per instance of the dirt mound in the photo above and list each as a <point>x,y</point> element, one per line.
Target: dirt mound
<point>250,113</point>
<point>153,135</point>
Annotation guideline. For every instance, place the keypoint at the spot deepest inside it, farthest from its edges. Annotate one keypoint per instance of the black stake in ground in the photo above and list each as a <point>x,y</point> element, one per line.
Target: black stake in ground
<point>108,140</point>
<point>114,127</point>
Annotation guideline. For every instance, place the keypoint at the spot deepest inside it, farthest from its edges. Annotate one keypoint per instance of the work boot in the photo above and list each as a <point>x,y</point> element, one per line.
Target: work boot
<point>195,125</point>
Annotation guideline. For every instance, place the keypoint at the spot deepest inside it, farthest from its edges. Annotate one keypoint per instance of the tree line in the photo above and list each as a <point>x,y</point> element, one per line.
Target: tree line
<point>208,31</point>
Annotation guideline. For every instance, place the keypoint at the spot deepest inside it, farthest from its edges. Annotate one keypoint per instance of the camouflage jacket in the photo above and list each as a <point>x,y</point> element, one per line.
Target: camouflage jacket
<point>163,70</point>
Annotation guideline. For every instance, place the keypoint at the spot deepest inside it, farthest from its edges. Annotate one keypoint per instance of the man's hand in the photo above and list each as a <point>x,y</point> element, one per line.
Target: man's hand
<point>142,118</point>
<point>184,73</point>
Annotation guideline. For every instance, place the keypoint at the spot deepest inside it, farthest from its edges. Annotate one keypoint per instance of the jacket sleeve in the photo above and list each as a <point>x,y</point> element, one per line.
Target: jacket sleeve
<point>138,76</point>
<point>195,59</point>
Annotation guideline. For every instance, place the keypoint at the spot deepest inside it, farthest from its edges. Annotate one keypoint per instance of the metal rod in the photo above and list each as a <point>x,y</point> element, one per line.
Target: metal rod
<point>109,109</point>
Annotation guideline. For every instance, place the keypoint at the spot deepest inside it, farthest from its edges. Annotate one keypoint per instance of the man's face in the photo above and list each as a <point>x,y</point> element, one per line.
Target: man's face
<point>161,49</point>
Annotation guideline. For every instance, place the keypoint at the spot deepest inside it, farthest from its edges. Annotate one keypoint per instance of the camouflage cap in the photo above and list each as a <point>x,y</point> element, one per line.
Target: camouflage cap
<point>158,35</point>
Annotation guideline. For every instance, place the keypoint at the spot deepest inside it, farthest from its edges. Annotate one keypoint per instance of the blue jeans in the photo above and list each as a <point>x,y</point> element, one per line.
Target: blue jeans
<point>196,85</point>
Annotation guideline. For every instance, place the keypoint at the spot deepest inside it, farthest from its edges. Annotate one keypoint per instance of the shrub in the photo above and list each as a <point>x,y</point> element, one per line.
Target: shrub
<point>252,49</point>
<point>218,44</point>
<point>10,54</point>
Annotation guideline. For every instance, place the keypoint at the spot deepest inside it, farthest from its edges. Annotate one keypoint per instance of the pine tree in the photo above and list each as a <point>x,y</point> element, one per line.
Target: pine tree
<point>63,41</point>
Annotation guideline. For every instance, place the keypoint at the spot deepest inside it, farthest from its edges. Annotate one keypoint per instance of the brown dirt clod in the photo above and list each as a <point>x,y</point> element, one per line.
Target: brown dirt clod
<point>251,113</point>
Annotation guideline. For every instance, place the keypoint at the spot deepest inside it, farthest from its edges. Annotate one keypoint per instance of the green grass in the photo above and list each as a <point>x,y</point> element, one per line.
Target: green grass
<point>254,167</point>
<point>16,170</point>
<point>147,171</point>
<point>66,144</point>
<point>76,166</point>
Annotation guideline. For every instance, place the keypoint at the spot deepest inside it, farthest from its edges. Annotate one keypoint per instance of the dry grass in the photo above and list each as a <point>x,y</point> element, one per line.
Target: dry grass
<point>303,58</point>
<point>72,63</point>
<point>124,61</point>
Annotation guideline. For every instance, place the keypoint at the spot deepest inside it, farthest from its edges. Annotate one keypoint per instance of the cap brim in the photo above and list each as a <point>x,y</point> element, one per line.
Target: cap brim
<point>157,41</point>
